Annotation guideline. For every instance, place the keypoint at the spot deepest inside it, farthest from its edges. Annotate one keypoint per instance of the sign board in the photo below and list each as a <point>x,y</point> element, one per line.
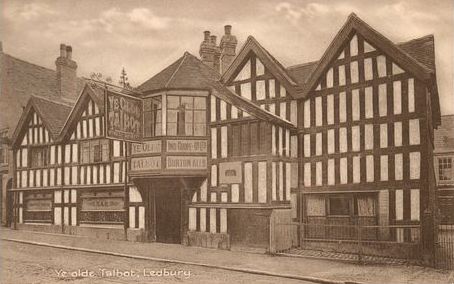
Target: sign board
<point>147,147</point>
<point>230,173</point>
<point>146,163</point>
<point>186,163</point>
<point>38,205</point>
<point>97,204</point>
<point>123,116</point>
<point>187,146</point>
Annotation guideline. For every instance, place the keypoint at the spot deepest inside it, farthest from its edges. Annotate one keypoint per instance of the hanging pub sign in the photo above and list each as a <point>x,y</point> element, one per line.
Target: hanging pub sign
<point>123,117</point>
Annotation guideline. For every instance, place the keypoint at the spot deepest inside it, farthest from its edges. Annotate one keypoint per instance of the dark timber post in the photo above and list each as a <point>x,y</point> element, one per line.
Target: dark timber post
<point>126,191</point>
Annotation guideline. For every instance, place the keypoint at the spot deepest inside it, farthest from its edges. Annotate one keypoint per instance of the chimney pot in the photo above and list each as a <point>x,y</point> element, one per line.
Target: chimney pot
<point>213,39</point>
<point>66,73</point>
<point>69,51</point>
<point>62,50</point>
<point>206,36</point>
<point>227,29</point>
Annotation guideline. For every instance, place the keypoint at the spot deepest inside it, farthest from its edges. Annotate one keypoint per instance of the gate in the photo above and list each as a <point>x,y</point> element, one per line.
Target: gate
<point>444,248</point>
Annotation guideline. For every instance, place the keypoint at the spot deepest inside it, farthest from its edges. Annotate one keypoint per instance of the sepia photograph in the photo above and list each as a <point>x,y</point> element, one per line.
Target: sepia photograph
<point>231,141</point>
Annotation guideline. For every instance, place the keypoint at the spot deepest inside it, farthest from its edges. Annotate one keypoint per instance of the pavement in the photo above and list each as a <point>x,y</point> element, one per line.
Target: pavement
<point>286,267</point>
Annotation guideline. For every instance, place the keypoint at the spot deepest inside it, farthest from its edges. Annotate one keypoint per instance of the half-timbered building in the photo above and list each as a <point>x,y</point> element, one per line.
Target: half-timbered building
<point>235,148</point>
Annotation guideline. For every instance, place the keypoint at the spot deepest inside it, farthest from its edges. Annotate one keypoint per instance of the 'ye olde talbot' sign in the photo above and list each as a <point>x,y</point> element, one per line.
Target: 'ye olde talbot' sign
<point>147,147</point>
<point>146,163</point>
<point>186,146</point>
<point>186,163</point>
<point>230,173</point>
<point>123,117</point>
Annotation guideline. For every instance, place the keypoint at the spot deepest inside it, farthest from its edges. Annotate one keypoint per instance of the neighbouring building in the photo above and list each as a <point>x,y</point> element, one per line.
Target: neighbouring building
<point>19,81</point>
<point>236,146</point>
<point>443,158</point>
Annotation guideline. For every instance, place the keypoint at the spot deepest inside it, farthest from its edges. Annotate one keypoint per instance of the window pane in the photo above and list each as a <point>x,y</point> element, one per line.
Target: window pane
<point>199,116</point>
<point>188,129</point>
<point>172,115</point>
<point>187,116</point>
<point>199,129</point>
<point>187,102</point>
<point>171,128</point>
<point>339,206</point>
<point>147,124</point>
<point>173,102</point>
<point>200,103</point>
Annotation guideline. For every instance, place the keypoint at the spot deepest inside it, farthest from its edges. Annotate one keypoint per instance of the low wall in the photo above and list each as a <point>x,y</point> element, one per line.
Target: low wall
<point>92,232</point>
<point>207,240</point>
<point>137,235</point>
<point>116,234</point>
<point>410,251</point>
<point>46,228</point>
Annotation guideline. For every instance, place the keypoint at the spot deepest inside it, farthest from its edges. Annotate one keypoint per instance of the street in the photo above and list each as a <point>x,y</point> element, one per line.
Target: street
<point>23,263</point>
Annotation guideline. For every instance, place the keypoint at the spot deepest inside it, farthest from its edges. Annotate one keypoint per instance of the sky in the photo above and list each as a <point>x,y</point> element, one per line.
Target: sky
<point>146,36</point>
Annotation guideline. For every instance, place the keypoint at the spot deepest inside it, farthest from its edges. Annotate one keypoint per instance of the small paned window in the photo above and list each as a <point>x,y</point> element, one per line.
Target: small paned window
<point>445,171</point>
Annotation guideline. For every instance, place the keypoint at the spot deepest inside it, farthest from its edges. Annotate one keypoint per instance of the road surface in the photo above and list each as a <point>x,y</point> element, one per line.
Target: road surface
<point>23,263</point>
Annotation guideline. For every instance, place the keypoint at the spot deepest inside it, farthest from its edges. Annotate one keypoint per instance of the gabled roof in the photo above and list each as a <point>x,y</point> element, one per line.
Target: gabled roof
<point>220,91</point>
<point>444,135</point>
<point>274,66</point>
<point>422,49</point>
<point>421,70</point>
<point>182,74</point>
<point>356,25</point>
<point>19,81</point>
<point>94,90</point>
<point>52,112</point>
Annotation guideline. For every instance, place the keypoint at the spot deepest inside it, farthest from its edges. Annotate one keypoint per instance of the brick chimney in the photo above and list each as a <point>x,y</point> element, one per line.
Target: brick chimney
<point>228,48</point>
<point>208,49</point>
<point>217,54</point>
<point>66,73</point>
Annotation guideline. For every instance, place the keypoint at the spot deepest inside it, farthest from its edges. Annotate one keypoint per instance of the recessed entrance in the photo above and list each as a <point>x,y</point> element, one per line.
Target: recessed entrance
<point>168,215</point>
<point>165,202</point>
